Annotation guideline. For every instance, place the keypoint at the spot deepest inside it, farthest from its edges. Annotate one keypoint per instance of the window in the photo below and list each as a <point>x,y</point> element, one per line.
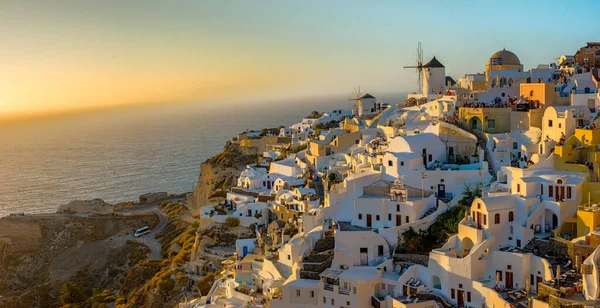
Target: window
<point>497,218</point>
<point>469,297</point>
<point>518,188</point>
<point>452,295</point>
<point>568,192</point>
<point>511,216</point>
<point>550,191</point>
<point>359,216</point>
<point>397,207</point>
<point>559,125</point>
<point>289,257</point>
<point>401,163</point>
<point>383,286</point>
<point>508,266</point>
<point>297,293</point>
<point>460,285</point>
<point>515,145</point>
<point>377,217</point>
<point>430,157</point>
<point>389,217</point>
<point>354,290</point>
<point>390,163</point>
<point>406,219</point>
<point>549,123</point>
<point>491,123</point>
<point>484,219</point>
<point>324,300</point>
<point>333,301</point>
<point>312,293</point>
<point>499,275</point>
<point>356,141</point>
<point>531,279</point>
<point>542,189</point>
<point>348,304</point>
<point>380,251</point>
<point>478,205</point>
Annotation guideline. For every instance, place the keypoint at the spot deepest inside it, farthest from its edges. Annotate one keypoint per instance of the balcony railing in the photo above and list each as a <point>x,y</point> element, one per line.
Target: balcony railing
<point>328,287</point>
<point>344,291</point>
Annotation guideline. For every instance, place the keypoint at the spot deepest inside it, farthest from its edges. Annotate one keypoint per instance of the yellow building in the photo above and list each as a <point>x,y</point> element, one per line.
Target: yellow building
<point>488,120</point>
<point>582,148</point>
<point>541,92</point>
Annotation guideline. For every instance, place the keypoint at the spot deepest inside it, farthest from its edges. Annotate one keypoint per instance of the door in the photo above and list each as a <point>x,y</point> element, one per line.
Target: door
<point>364,256</point>
<point>518,243</point>
<point>538,279</point>
<point>425,157</point>
<point>441,190</point>
<point>478,220</point>
<point>460,302</point>
<point>509,280</point>
<point>562,193</point>
<point>244,251</point>
<point>369,220</point>
<point>398,220</point>
<point>554,221</point>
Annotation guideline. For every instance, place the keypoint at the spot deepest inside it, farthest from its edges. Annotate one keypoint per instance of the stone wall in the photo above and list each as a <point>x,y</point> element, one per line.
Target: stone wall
<point>412,258</point>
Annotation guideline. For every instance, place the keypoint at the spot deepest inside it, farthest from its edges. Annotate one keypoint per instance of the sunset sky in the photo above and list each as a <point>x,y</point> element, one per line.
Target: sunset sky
<point>64,55</point>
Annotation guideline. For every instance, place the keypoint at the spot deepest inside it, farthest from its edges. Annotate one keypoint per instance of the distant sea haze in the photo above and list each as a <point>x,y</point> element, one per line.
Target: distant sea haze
<point>121,153</point>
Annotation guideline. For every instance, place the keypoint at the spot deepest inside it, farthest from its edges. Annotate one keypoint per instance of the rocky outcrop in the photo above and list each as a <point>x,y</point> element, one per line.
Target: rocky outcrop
<point>218,172</point>
<point>96,206</point>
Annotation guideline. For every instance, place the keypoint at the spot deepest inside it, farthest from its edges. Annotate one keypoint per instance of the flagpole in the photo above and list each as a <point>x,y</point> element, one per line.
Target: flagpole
<point>422,185</point>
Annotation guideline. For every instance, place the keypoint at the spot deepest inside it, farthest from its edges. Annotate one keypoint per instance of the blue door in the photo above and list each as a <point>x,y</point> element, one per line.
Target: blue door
<point>244,251</point>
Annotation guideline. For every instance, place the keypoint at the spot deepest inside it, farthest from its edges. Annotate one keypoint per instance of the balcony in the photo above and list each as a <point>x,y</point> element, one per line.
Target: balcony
<point>328,287</point>
<point>377,302</point>
<point>344,291</point>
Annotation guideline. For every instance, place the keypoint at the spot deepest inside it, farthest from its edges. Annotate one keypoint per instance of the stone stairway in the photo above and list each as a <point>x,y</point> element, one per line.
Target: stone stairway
<point>284,271</point>
<point>529,247</point>
<point>429,212</point>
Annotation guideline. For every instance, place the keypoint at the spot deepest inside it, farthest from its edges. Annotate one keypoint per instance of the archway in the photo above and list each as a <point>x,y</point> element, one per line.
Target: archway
<point>436,283</point>
<point>475,123</point>
<point>466,244</point>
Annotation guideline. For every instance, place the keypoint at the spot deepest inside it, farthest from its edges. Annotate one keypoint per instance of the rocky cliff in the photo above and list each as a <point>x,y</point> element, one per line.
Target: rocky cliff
<point>219,172</point>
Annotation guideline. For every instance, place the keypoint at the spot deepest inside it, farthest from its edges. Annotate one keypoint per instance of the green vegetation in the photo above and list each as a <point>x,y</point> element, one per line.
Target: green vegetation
<point>231,222</point>
<point>205,283</point>
<point>71,293</point>
<point>446,223</point>
<point>471,193</point>
<point>225,159</point>
<point>218,194</point>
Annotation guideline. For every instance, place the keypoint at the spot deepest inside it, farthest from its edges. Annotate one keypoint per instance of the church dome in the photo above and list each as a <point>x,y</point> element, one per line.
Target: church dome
<point>504,57</point>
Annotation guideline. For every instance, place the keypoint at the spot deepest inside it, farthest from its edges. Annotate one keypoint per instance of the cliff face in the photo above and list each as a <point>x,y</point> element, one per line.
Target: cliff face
<point>219,172</point>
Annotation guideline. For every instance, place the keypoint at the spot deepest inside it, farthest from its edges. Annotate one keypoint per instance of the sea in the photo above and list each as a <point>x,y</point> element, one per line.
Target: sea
<point>118,154</point>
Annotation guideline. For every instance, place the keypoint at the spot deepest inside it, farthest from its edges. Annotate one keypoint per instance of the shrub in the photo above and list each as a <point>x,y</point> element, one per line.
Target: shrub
<point>71,293</point>
<point>232,222</point>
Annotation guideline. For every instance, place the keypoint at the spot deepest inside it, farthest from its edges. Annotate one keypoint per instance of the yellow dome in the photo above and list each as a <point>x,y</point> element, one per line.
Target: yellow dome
<point>504,57</point>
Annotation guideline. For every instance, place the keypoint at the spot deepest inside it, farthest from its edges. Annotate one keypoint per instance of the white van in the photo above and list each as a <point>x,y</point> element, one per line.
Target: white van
<point>142,231</point>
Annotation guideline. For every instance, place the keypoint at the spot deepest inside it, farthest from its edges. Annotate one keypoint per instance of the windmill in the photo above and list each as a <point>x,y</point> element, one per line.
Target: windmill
<point>356,97</point>
<point>419,66</point>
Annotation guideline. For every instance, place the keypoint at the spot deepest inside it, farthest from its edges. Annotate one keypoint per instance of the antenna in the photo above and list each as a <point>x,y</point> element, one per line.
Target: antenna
<point>419,66</point>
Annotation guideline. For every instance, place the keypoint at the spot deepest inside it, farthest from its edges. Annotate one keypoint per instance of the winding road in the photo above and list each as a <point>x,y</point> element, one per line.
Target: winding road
<point>149,239</point>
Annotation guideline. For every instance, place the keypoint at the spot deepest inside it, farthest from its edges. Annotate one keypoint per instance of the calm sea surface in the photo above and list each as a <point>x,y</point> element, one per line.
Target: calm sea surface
<point>121,153</point>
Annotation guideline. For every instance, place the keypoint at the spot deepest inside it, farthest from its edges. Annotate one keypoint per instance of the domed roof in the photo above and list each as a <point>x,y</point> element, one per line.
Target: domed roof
<point>504,57</point>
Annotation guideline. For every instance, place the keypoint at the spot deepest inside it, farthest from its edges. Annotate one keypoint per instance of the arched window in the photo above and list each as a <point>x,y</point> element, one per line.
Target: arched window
<point>497,218</point>
<point>559,181</point>
<point>511,216</point>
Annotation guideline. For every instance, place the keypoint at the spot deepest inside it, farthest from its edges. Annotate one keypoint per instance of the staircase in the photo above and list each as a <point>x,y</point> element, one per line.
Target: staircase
<point>490,167</point>
<point>283,270</point>
<point>429,212</point>
<point>529,247</point>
